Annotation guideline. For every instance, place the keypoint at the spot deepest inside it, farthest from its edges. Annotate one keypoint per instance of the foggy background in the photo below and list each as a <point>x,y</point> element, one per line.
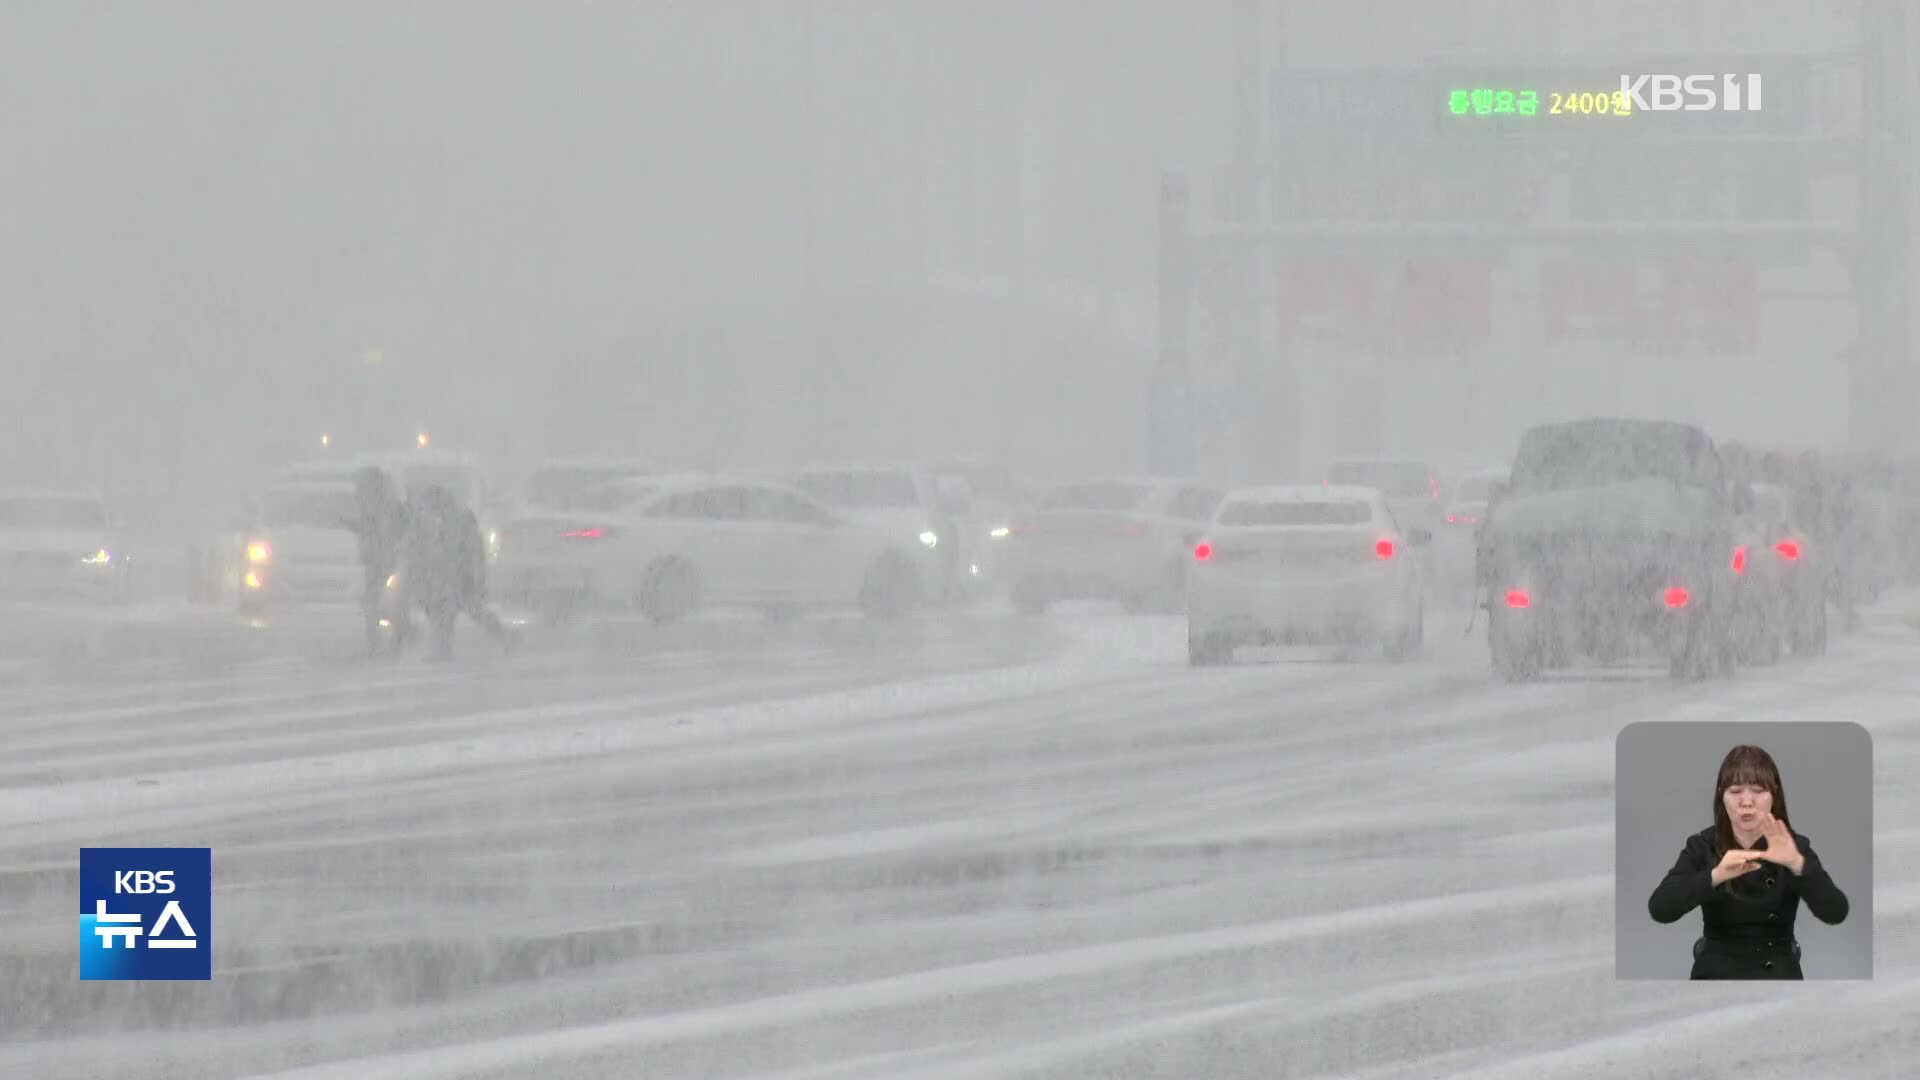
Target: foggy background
<point>727,233</point>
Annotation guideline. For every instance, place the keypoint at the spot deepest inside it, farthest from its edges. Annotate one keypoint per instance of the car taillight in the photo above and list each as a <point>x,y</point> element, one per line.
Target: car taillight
<point>1518,598</point>
<point>1677,597</point>
<point>1133,528</point>
<point>1202,551</point>
<point>1383,549</point>
<point>595,533</point>
<point>1740,560</point>
<point>1787,549</point>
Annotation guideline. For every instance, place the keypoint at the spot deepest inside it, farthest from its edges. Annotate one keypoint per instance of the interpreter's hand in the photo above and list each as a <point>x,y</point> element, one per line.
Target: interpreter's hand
<point>1734,864</point>
<point>1781,850</point>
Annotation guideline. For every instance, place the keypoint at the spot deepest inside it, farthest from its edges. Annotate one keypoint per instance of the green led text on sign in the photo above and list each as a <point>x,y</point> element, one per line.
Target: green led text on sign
<point>1495,101</point>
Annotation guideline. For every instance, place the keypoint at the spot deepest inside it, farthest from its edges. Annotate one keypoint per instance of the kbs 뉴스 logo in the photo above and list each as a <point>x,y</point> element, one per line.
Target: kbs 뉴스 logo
<point>146,913</point>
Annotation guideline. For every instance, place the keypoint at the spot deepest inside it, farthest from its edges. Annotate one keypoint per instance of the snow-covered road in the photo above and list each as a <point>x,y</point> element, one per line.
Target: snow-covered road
<point>975,847</point>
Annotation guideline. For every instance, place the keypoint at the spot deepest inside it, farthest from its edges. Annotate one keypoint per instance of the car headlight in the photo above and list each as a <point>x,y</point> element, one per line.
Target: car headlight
<point>1001,533</point>
<point>259,551</point>
<point>393,580</point>
<point>931,539</point>
<point>99,558</point>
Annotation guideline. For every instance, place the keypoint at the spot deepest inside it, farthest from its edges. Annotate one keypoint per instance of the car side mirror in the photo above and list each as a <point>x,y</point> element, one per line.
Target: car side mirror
<point>1419,537</point>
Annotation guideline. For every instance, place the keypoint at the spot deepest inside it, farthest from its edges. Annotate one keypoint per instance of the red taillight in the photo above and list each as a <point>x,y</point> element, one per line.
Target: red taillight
<point>1451,520</point>
<point>1203,551</point>
<point>1518,598</point>
<point>1787,549</point>
<point>1433,485</point>
<point>1383,549</point>
<point>584,534</point>
<point>1740,560</point>
<point>1677,597</point>
<point>1133,528</point>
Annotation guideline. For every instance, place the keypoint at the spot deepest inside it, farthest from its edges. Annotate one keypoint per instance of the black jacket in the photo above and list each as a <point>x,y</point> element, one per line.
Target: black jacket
<point>381,529</point>
<point>1748,922</point>
<point>446,557</point>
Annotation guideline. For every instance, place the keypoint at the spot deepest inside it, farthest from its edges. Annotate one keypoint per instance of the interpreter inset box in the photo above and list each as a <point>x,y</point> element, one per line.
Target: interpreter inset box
<point>1743,851</point>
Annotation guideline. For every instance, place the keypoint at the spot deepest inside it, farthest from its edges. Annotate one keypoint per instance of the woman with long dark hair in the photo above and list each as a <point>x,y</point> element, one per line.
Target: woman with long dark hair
<point>1748,875</point>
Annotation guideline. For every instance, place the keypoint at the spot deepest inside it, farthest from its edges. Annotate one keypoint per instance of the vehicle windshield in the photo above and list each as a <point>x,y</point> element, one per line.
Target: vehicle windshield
<point>1106,497</point>
<point>563,489</point>
<point>1397,480</point>
<point>330,509</point>
<point>1556,459</point>
<point>1287,512</point>
<point>862,490</point>
<point>64,514</point>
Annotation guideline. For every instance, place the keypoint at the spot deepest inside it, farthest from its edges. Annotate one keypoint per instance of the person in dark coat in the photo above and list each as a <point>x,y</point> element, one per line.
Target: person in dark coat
<point>1748,875</point>
<point>380,526</point>
<point>445,568</point>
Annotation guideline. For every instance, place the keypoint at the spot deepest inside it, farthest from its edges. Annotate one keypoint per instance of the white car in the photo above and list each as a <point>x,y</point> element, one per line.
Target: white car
<point>1304,565</point>
<point>671,546</point>
<point>1125,540</point>
<point>60,546</point>
<point>302,551</point>
<point>926,513</point>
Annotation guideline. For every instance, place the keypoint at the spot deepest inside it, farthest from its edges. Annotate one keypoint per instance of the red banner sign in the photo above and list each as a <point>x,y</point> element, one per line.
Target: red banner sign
<point>1708,302</point>
<point>1594,297</point>
<point>1703,302</point>
<point>1339,291</point>
<point>1446,301</point>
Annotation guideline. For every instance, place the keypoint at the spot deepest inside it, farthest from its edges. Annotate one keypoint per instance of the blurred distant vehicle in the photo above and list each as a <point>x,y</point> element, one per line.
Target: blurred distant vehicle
<point>1411,488</point>
<point>1126,540</point>
<point>58,545</point>
<point>1467,502</point>
<point>1779,591</point>
<point>563,483</point>
<point>301,551</point>
<point>927,513</point>
<point>1613,538</point>
<point>673,545</point>
<point>995,499</point>
<point>1304,565</point>
<point>1455,539</point>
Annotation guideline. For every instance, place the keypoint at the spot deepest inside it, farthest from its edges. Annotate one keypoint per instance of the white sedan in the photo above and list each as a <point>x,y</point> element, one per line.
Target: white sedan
<point>60,546</point>
<point>1304,565</point>
<point>671,546</point>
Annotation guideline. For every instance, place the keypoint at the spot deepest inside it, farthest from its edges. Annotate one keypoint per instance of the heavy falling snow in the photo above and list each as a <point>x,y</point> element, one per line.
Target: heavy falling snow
<point>1033,539</point>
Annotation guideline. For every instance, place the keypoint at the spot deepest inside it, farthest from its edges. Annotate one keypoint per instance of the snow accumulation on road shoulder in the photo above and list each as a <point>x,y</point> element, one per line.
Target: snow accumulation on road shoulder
<point>533,1050</point>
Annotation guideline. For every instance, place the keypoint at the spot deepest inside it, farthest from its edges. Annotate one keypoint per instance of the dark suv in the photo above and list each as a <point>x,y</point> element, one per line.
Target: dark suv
<point>1611,540</point>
